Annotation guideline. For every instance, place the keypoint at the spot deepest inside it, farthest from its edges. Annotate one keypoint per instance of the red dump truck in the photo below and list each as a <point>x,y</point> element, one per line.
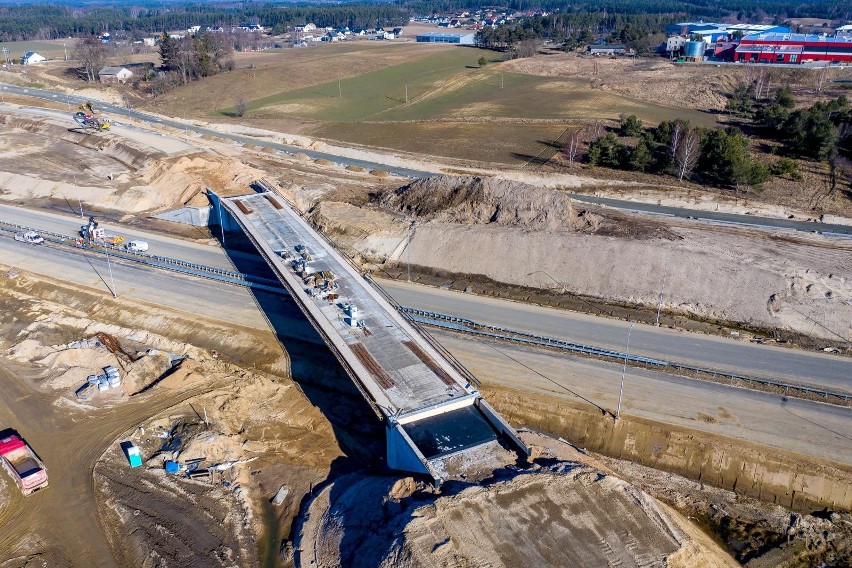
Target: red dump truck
<point>22,464</point>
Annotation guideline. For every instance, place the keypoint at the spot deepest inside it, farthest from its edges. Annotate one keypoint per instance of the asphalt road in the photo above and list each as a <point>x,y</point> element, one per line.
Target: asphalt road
<point>795,425</point>
<point>801,426</point>
<point>812,369</point>
<point>159,244</point>
<point>713,216</point>
<point>168,289</point>
<point>117,111</point>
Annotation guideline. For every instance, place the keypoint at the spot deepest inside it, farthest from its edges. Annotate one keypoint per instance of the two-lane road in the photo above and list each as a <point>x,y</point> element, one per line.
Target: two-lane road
<point>818,370</point>
<point>160,245</point>
<point>789,365</point>
<point>623,204</point>
<point>802,426</point>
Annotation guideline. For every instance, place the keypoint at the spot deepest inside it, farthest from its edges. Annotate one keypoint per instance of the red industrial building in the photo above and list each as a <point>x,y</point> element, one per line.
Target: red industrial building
<point>793,48</point>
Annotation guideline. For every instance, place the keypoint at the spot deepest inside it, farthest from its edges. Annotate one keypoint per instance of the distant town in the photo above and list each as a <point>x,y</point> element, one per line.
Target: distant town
<point>687,41</point>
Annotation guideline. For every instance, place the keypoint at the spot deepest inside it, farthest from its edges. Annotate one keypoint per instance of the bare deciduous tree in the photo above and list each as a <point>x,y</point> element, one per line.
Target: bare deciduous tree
<point>186,60</point>
<point>240,106</point>
<point>677,136</point>
<point>688,151</point>
<point>596,130</point>
<point>574,144</point>
<point>91,54</point>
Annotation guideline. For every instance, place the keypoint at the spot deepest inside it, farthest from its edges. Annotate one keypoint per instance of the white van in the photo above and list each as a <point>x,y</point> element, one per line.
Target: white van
<point>137,246</point>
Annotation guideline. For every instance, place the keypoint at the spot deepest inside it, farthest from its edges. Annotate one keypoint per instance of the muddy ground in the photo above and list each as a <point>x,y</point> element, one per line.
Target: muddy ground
<point>315,436</point>
<point>249,411</point>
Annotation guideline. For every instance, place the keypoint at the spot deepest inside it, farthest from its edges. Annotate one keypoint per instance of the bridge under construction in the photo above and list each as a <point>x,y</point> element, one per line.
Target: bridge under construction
<point>436,420</point>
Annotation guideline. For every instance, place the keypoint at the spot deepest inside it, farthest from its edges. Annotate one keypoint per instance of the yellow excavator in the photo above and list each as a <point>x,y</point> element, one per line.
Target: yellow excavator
<point>87,117</point>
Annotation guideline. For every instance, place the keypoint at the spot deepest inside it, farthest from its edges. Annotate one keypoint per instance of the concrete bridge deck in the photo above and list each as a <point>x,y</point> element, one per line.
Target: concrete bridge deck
<point>430,409</point>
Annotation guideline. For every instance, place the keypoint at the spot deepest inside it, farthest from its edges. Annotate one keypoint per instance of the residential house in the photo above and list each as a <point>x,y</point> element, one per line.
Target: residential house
<point>31,57</point>
<point>114,75</point>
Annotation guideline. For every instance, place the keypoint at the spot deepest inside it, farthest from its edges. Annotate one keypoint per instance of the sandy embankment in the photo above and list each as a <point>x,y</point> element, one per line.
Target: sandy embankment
<point>518,234</point>
<point>519,518</point>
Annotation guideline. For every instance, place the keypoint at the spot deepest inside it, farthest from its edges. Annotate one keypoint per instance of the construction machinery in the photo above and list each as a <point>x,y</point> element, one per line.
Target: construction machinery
<point>88,119</point>
<point>91,233</point>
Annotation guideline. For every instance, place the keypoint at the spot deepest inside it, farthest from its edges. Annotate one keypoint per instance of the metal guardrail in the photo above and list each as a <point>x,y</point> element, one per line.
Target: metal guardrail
<point>464,371</point>
<point>156,261</point>
<point>266,186</point>
<point>463,325</point>
<point>424,317</point>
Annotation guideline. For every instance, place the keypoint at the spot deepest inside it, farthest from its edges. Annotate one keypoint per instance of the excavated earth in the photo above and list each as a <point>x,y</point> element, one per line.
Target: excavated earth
<point>253,417</point>
<point>517,234</point>
<point>559,512</point>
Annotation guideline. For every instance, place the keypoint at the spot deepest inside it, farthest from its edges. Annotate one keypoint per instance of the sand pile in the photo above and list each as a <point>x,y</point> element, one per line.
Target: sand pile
<point>212,447</point>
<point>174,181</point>
<point>186,373</point>
<point>70,368</point>
<point>121,173</point>
<point>477,200</point>
<point>64,368</point>
<point>146,370</point>
<point>30,350</point>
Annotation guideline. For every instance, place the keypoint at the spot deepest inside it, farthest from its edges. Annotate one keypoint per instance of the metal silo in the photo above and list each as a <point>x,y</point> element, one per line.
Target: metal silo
<point>694,49</point>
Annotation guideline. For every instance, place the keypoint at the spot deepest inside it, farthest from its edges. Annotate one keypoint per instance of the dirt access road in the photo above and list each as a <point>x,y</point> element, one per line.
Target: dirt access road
<point>69,442</point>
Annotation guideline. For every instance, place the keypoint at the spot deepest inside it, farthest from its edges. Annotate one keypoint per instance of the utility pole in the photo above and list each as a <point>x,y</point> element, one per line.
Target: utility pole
<point>501,80</point>
<point>339,90</point>
<point>623,371</point>
<point>109,267</point>
<point>662,285</point>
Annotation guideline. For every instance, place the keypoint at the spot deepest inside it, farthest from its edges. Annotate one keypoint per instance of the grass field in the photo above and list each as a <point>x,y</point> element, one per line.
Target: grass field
<point>362,96</point>
<point>508,143</point>
<point>450,84</point>
<point>454,108</point>
<point>51,49</point>
<point>356,93</point>
<point>274,73</point>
